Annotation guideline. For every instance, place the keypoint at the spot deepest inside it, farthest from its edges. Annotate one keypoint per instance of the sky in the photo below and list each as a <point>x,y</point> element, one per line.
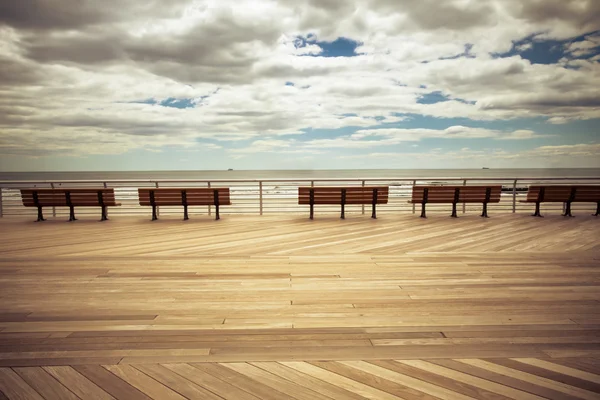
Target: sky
<point>315,84</point>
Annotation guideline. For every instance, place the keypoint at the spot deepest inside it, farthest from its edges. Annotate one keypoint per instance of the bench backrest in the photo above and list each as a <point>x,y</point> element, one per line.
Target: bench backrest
<point>563,193</point>
<point>333,194</point>
<point>176,196</point>
<point>448,194</point>
<point>587,193</point>
<point>93,197</point>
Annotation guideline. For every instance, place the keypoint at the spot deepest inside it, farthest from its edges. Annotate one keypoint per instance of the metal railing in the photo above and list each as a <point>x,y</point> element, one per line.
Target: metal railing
<point>269,196</point>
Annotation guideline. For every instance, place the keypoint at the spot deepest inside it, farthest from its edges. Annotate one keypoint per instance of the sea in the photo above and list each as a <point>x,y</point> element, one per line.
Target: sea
<point>400,174</point>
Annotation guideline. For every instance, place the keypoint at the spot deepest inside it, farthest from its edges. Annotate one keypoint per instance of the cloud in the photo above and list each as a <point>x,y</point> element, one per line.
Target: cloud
<point>396,135</point>
<point>71,72</point>
<point>586,155</point>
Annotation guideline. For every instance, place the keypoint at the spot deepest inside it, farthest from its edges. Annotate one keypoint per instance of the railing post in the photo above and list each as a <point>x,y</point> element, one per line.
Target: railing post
<point>157,207</point>
<point>209,207</point>
<point>260,197</point>
<point>413,204</point>
<point>464,204</point>
<point>53,208</point>
<point>514,196</point>
<point>363,206</point>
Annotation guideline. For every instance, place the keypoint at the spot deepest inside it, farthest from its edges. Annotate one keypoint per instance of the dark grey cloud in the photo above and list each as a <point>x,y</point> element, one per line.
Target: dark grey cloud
<point>99,48</point>
<point>76,14</point>
<point>15,72</point>
<point>220,50</point>
<point>436,14</point>
<point>547,103</point>
<point>584,14</point>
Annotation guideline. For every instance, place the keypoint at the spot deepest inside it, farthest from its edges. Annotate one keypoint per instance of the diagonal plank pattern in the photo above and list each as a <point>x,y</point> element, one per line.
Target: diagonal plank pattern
<point>282,307</point>
<point>381,379</point>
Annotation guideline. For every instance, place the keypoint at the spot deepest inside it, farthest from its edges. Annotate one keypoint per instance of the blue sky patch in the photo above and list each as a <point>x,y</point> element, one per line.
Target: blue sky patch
<point>548,51</point>
<point>178,103</point>
<point>169,102</point>
<point>432,98</point>
<point>340,47</point>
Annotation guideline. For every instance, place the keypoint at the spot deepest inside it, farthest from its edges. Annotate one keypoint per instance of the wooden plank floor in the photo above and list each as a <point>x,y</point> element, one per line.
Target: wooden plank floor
<point>280,307</point>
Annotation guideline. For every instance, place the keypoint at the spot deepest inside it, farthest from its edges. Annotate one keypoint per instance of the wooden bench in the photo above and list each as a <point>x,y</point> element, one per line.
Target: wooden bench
<point>69,197</point>
<point>454,195</point>
<point>563,194</point>
<point>184,197</point>
<point>343,195</point>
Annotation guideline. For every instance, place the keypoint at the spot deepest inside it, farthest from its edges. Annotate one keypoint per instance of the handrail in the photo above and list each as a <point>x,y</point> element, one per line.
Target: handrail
<point>309,179</point>
<point>256,196</point>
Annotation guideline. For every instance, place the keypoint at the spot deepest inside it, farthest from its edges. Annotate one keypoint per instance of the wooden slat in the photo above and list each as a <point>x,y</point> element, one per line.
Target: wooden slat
<point>215,385</point>
<point>14,387</point>
<point>77,383</point>
<point>239,380</point>
<point>44,383</point>
<point>109,382</point>
<point>144,383</point>
<point>177,382</point>
<point>271,293</point>
<point>464,384</point>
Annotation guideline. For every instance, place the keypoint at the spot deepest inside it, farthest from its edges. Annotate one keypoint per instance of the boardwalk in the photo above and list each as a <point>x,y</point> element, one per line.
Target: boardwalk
<point>281,307</point>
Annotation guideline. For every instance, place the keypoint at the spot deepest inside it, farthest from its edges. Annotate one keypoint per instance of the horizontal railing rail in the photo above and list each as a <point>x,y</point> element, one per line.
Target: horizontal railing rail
<point>264,196</point>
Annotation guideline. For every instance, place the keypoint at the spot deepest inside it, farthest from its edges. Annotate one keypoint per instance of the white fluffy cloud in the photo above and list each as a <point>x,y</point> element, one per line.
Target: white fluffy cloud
<point>76,77</point>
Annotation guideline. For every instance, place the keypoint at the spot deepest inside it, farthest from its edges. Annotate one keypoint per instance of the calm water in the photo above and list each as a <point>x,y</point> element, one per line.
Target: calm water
<point>306,174</point>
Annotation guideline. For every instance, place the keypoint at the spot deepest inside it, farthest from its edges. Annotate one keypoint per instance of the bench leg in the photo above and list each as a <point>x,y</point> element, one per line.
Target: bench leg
<point>104,214</point>
<point>484,212</point>
<point>374,213</point>
<point>567,209</point>
<point>72,214</point>
<point>312,211</point>
<point>537,210</point>
<point>217,216</point>
<point>597,210</point>
<point>154,217</point>
<point>40,215</point>
<point>185,213</point>
<point>423,215</point>
<point>343,214</point>
<point>453,215</point>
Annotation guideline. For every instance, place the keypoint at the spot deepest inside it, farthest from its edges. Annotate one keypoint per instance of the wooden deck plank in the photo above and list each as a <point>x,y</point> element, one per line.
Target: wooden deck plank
<point>554,376</point>
<point>241,381</point>
<point>510,386</point>
<point>320,386</point>
<point>249,300</point>
<point>45,384</point>
<point>210,382</point>
<point>108,381</point>
<point>177,383</point>
<point>15,388</point>
<point>77,383</point>
<point>144,383</point>
<point>466,385</point>
<point>287,388</point>
<point>349,384</point>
